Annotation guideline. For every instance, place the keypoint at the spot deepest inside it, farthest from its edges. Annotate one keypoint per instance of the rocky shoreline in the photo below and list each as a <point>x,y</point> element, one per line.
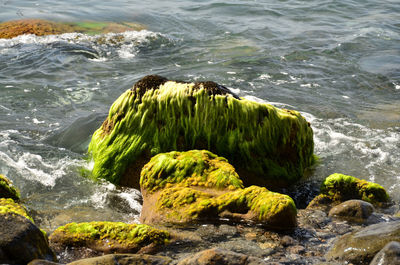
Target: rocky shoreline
<point>175,141</point>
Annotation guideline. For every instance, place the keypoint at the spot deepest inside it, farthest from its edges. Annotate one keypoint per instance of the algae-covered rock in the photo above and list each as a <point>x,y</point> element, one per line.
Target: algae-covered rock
<point>21,241</point>
<point>9,206</point>
<point>338,188</point>
<point>108,237</point>
<point>389,255</point>
<point>266,145</point>
<point>7,190</point>
<point>40,27</point>
<point>198,186</point>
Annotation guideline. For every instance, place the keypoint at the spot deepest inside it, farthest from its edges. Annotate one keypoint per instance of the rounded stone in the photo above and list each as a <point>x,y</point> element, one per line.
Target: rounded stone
<point>352,210</point>
<point>389,255</point>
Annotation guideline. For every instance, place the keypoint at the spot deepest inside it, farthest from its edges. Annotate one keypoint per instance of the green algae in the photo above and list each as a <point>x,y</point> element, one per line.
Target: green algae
<point>269,145</point>
<point>339,187</point>
<point>195,186</point>
<point>192,168</point>
<point>254,203</point>
<point>109,233</point>
<point>7,190</point>
<point>10,206</point>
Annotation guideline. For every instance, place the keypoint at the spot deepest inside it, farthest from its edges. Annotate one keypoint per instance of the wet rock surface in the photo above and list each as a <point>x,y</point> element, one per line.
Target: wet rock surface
<point>361,246</point>
<point>389,255</point>
<point>21,241</point>
<point>40,27</point>
<point>352,210</point>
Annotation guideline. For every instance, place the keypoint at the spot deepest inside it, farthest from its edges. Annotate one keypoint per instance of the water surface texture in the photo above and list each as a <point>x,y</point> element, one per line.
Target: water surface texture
<point>338,62</point>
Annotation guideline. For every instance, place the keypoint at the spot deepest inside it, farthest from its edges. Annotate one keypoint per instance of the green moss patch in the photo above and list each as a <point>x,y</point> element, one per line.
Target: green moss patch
<point>109,236</point>
<point>192,168</point>
<point>10,206</point>
<point>342,187</point>
<point>338,188</point>
<point>7,190</point>
<point>197,186</point>
<point>267,145</point>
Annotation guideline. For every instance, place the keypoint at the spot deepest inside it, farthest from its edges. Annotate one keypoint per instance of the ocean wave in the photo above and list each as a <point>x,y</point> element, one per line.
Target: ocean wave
<point>97,48</point>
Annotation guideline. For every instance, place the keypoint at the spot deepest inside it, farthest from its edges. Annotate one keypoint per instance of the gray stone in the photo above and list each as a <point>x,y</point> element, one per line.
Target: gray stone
<point>360,247</point>
<point>21,241</point>
<point>124,259</point>
<point>352,210</point>
<point>389,255</point>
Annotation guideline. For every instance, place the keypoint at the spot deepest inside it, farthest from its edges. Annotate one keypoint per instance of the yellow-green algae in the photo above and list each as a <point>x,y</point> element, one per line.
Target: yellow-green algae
<point>257,204</point>
<point>191,168</point>
<point>7,190</point>
<point>193,186</point>
<point>270,145</point>
<point>10,206</point>
<point>108,234</point>
<point>339,188</point>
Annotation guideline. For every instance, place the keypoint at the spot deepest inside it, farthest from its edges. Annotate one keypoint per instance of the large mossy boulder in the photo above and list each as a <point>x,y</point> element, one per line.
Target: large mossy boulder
<point>7,190</point>
<point>107,237</point>
<point>40,27</point>
<point>198,186</point>
<point>268,146</point>
<point>338,188</point>
<point>20,240</point>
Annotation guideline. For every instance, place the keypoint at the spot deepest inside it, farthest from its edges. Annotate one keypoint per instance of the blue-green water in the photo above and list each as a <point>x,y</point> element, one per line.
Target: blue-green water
<point>338,62</point>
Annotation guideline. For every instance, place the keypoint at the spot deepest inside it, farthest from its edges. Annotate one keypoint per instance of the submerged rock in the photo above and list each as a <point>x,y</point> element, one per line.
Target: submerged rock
<point>21,241</point>
<point>338,188</point>
<point>217,256</point>
<point>7,190</point>
<point>124,259</point>
<point>40,27</point>
<point>352,210</point>
<point>198,186</point>
<point>107,237</point>
<point>389,255</point>
<point>267,145</point>
<point>361,246</point>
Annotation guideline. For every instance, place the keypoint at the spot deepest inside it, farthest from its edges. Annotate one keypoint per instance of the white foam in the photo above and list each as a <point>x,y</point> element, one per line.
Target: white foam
<point>126,45</point>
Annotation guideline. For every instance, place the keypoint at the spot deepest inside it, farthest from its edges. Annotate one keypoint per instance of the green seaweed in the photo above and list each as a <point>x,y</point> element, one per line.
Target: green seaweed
<point>10,206</point>
<point>257,203</point>
<point>100,233</point>
<point>7,190</point>
<point>270,145</point>
<point>191,168</point>
<point>341,187</point>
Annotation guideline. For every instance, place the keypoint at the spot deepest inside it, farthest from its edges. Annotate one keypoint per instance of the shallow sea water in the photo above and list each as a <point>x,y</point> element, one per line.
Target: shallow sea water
<point>338,62</point>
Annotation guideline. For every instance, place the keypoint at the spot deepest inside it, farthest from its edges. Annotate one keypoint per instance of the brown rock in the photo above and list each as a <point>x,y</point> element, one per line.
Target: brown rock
<point>21,241</point>
<point>352,210</point>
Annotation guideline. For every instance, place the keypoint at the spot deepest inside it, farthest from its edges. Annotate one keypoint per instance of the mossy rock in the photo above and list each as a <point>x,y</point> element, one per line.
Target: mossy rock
<point>40,27</point>
<point>198,186</point>
<point>108,237</point>
<point>7,190</point>
<point>9,206</point>
<point>267,145</point>
<point>338,188</point>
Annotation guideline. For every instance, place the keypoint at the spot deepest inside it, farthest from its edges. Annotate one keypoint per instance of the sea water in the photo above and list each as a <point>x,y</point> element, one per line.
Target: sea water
<point>337,62</point>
